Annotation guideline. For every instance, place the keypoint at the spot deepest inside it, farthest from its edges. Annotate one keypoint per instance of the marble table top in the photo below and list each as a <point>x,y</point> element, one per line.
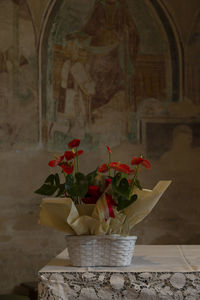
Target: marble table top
<point>147,258</point>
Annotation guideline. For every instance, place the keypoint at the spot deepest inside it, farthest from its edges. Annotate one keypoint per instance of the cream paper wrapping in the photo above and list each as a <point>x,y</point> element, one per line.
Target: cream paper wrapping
<point>63,215</point>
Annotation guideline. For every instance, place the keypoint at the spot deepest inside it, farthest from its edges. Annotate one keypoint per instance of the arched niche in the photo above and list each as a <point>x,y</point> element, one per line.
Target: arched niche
<point>157,70</point>
<point>193,63</point>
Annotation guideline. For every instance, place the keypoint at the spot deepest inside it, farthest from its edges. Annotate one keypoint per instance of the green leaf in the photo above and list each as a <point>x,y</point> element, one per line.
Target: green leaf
<point>50,179</point>
<point>91,177</point>
<point>124,202</point>
<point>80,178</point>
<point>57,179</point>
<point>61,190</point>
<point>51,184</point>
<point>121,186</point>
<point>124,186</point>
<point>133,198</point>
<point>69,182</point>
<point>116,179</point>
<point>78,188</point>
<point>81,186</point>
<point>46,190</point>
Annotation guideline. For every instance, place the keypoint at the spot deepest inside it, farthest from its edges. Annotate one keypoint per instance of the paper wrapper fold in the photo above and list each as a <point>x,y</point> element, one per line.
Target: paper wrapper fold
<point>62,214</point>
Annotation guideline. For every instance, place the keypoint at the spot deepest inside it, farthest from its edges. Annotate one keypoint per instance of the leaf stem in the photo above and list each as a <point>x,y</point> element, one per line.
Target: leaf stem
<point>133,181</point>
<point>109,161</point>
<point>63,174</point>
<point>77,159</point>
<point>74,163</point>
<point>136,173</point>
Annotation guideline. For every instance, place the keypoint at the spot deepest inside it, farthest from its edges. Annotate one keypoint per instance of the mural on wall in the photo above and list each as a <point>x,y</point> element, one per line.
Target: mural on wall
<point>104,58</point>
<point>177,134</point>
<point>18,85</point>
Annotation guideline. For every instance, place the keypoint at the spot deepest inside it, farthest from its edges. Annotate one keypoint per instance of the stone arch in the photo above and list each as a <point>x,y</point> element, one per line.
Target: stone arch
<point>193,62</point>
<point>175,46</point>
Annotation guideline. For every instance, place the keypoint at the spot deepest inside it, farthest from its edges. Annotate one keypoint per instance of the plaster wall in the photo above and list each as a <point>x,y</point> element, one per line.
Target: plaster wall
<point>26,246</point>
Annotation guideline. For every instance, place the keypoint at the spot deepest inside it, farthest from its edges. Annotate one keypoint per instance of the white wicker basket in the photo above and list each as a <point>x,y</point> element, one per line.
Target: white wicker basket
<point>100,250</point>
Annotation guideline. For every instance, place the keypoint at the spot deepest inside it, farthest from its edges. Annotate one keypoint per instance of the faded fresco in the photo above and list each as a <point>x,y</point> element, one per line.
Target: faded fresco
<point>105,76</point>
<point>102,62</point>
<point>18,76</point>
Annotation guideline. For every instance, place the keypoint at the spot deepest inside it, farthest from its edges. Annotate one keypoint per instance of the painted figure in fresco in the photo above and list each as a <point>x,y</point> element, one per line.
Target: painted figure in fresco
<point>76,85</point>
<point>114,44</point>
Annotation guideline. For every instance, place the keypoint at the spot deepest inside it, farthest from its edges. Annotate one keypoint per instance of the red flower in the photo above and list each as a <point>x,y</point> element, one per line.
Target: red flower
<point>79,152</point>
<point>110,203</point>
<point>56,162</point>
<point>103,168</point>
<point>113,164</point>
<point>109,149</point>
<point>92,195</point>
<point>67,168</point>
<point>74,144</point>
<point>142,161</point>
<point>69,155</point>
<point>93,189</point>
<point>89,200</point>
<point>108,181</point>
<point>120,167</point>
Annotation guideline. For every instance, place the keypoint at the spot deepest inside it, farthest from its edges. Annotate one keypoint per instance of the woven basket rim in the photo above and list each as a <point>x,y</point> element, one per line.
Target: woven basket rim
<point>109,236</point>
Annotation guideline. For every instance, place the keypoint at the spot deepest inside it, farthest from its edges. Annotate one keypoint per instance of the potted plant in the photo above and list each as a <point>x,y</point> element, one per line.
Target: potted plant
<point>97,210</point>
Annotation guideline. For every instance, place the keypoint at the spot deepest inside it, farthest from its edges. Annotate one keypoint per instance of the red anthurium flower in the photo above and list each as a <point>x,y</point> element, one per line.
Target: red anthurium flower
<point>108,181</point>
<point>142,161</point>
<point>93,189</point>
<point>74,144</point>
<point>113,164</point>
<point>103,168</point>
<point>56,162</point>
<point>89,200</point>
<point>79,152</point>
<point>92,195</point>
<point>136,160</point>
<point>69,155</point>
<point>146,164</point>
<point>124,168</point>
<point>120,167</point>
<point>109,149</point>
<point>67,168</point>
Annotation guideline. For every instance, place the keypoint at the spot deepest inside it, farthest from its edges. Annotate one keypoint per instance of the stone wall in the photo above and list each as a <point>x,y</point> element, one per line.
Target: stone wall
<point>170,139</point>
